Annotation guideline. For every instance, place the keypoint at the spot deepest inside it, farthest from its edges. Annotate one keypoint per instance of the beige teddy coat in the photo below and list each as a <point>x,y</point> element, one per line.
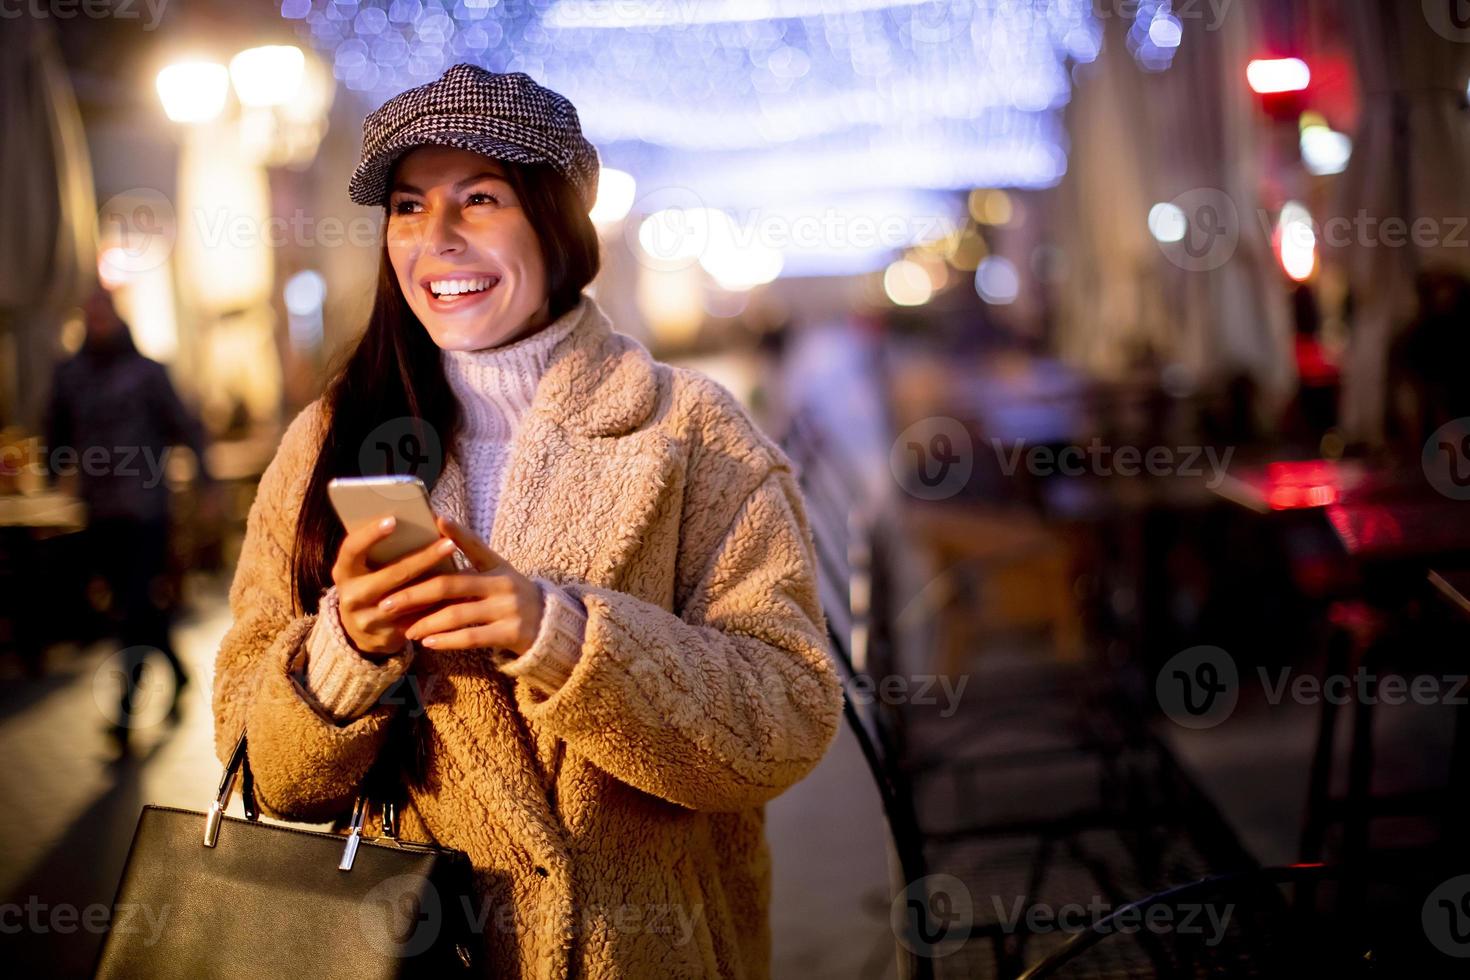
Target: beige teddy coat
<point>616,827</point>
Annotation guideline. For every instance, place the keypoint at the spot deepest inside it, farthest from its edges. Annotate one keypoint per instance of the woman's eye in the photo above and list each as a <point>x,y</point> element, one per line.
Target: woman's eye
<point>405,207</point>
<point>483,198</point>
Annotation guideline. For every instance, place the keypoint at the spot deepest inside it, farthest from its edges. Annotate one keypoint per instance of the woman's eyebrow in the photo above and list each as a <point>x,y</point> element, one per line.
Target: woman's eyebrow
<point>459,185</point>
<point>484,175</point>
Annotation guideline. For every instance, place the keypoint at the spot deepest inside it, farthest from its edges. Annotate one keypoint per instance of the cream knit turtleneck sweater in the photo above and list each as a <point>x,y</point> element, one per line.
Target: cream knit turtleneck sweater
<point>495,387</point>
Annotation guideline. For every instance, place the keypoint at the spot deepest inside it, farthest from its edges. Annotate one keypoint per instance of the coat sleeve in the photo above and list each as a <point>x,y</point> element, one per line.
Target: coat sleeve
<point>727,704</point>
<point>307,765</point>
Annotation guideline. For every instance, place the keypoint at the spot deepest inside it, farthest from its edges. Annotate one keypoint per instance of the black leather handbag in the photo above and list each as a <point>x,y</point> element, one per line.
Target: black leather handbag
<point>204,895</point>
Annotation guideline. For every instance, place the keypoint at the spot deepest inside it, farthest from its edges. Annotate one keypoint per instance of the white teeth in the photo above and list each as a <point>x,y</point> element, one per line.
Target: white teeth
<point>454,287</point>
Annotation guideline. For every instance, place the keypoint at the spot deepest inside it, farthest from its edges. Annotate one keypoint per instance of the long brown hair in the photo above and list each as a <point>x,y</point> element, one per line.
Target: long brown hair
<point>393,374</point>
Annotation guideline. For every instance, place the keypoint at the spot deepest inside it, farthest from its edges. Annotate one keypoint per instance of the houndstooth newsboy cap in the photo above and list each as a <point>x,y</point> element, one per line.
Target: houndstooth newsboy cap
<point>506,116</point>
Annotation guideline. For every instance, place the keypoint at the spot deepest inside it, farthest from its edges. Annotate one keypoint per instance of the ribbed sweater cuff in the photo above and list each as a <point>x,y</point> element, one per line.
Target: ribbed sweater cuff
<point>345,682</point>
<point>558,646</point>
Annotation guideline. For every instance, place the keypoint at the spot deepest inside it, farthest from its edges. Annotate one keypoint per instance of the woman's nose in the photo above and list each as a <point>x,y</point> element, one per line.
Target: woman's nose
<point>444,236</point>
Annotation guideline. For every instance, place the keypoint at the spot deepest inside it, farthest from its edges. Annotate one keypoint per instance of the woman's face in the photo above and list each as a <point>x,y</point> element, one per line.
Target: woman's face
<point>466,258</point>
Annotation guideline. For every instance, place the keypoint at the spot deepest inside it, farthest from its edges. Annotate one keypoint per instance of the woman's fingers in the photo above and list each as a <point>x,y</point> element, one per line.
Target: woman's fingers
<point>497,634</point>
<point>352,557</point>
<point>478,552</point>
<point>442,588</point>
<point>372,621</point>
<point>374,586</point>
<point>460,614</point>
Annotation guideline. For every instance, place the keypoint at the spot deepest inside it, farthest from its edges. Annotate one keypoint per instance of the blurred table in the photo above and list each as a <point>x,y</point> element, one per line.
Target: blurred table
<point>51,510</point>
<point>1393,529</point>
<point>1411,529</point>
<point>1306,484</point>
<point>1378,514</point>
<point>40,554</point>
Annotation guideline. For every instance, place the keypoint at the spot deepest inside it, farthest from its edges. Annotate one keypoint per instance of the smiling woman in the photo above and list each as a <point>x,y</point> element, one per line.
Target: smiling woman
<point>463,248</point>
<point>632,659</point>
<point>454,216</point>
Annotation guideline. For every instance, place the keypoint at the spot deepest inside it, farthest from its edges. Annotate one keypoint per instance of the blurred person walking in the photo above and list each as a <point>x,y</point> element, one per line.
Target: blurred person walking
<point>112,415</point>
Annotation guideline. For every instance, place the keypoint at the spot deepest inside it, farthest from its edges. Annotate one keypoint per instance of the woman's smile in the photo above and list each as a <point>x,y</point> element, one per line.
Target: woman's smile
<point>459,292</point>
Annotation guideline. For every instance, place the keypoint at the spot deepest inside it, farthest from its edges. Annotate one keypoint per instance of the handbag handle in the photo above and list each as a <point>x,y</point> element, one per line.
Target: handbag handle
<point>240,764</point>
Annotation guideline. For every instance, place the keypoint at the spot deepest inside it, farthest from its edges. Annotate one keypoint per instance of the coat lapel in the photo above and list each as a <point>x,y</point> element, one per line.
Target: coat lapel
<point>587,475</point>
<point>586,479</point>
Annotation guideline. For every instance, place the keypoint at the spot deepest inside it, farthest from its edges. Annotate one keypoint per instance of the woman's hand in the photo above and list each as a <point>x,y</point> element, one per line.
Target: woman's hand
<point>373,629</point>
<point>493,606</point>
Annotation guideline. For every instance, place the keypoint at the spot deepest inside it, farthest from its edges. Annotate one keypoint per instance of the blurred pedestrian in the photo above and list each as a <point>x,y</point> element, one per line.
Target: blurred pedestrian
<point>113,414</point>
<point>1425,389</point>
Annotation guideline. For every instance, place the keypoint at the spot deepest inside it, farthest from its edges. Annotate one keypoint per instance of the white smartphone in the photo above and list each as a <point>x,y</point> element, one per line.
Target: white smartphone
<point>361,500</point>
